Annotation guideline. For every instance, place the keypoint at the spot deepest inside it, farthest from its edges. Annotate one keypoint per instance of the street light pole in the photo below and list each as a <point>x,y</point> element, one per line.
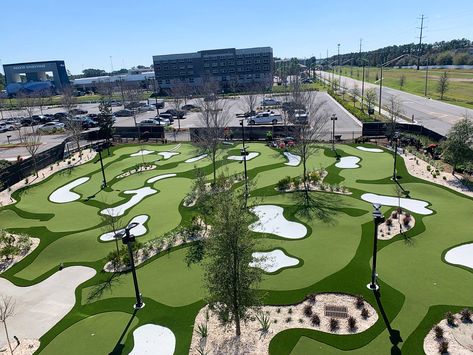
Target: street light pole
<point>99,150</point>
<point>378,218</point>
<point>395,137</point>
<point>333,118</point>
<point>129,239</point>
<point>244,154</point>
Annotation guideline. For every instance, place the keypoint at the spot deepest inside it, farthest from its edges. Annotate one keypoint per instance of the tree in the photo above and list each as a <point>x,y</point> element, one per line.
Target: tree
<point>26,103</point>
<point>178,94</point>
<point>394,108</point>
<point>88,73</point>
<point>402,81</point>
<point>113,223</point>
<point>249,102</point>
<point>73,127</point>
<point>214,118</point>
<point>458,148</point>
<point>442,86</point>
<point>31,139</point>
<point>228,277</point>
<point>355,94</point>
<point>7,310</point>
<point>105,119</point>
<point>371,97</point>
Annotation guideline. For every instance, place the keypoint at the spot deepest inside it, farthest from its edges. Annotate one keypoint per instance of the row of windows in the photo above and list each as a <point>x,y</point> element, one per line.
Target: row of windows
<point>223,78</point>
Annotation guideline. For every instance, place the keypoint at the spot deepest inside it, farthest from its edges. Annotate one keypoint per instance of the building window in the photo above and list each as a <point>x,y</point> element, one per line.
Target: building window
<point>190,66</point>
<point>160,82</point>
<point>191,80</point>
<point>168,81</point>
<point>206,65</point>
<point>214,71</point>
<point>231,62</point>
<point>190,72</point>
<point>257,68</point>
<point>165,67</point>
<point>241,77</point>
<point>231,70</point>
<point>214,64</point>
<point>174,66</point>
<point>247,69</point>
<point>248,61</point>
<point>182,67</point>
<point>222,63</point>
<point>266,61</point>
<point>240,62</point>
<point>239,69</point>
<point>257,61</point>
<point>257,76</point>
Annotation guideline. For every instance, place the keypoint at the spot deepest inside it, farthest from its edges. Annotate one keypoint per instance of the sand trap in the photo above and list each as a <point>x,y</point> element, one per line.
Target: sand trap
<point>159,177</point>
<point>461,255</point>
<point>175,148</point>
<point>39,307</point>
<point>348,163</point>
<point>372,150</point>
<point>273,260</point>
<point>142,152</point>
<point>294,159</point>
<point>416,206</point>
<point>64,193</point>
<point>154,340</point>
<point>200,157</point>
<point>137,231</point>
<point>167,155</point>
<point>240,158</point>
<point>138,196</point>
<point>271,220</point>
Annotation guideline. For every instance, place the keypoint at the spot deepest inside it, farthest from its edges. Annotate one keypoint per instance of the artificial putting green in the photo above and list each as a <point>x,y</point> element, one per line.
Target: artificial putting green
<point>335,256</point>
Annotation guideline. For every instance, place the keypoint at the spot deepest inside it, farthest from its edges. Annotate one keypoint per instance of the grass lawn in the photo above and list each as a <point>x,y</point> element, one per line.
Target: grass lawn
<point>335,255</point>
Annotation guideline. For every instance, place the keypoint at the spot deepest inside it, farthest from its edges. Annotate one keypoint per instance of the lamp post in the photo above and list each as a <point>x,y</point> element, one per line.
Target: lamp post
<point>333,118</point>
<point>128,239</point>
<point>378,218</point>
<point>99,150</point>
<point>244,154</point>
<point>395,137</point>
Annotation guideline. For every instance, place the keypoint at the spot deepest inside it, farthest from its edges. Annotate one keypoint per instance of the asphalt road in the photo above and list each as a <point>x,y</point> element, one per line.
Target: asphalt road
<point>433,114</point>
<point>346,125</point>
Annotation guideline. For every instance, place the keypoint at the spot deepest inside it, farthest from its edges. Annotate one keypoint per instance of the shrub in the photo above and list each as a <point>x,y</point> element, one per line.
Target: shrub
<point>315,320</point>
<point>364,313</point>
<point>202,330</point>
<point>311,298</point>
<point>444,177</point>
<point>443,347</point>
<point>429,168</point>
<point>314,176</point>
<point>394,215</point>
<point>284,183</point>
<point>288,319</point>
<point>301,320</point>
<point>438,330</point>
<point>389,222</point>
<point>450,317</point>
<point>308,311</point>
<point>334,324</point>
<point>264,322</point>
<point>278,310</point>
<point>351,323</point>
<point>297,181</point>
<point>407,220</point>
<point>289,311</point>
<point>465,315</point>
<point>360,301</point>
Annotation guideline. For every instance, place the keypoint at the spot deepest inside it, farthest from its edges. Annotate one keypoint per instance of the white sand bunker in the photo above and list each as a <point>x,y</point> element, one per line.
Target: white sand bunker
<point>159,177</point>
<point>139,195</point>
<point>154,340</point>
<point>273,261</point>
<point>194,159</point>
<point>416,206</point>
<point>348,163</point>
<point>372,150</point>
<point>137,231</point>
<point>142,152</point>
<point>294,160</point>
<point>461,255</point>
<point>240,158</point>
<point>167,155</point>
<point>39,307</point>
<point>272,220</point>
<point>64,193</point>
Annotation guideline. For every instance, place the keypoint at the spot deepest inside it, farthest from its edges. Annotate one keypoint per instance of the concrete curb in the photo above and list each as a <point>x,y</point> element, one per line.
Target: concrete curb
<point>357,121</point>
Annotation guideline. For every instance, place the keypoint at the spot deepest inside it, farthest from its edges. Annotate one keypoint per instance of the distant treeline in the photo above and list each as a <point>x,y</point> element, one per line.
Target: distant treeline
<point>456,52</point>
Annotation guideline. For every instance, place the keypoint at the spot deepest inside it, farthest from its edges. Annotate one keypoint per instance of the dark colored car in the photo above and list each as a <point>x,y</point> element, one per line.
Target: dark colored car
<point>190,107</point>
<point>60,116</point>
<point>78,111</point>
<point>124,113</point>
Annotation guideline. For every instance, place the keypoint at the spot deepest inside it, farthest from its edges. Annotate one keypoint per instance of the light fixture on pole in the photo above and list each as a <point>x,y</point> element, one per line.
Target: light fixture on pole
<point>333,118</point>
<point>128,239</point>
<point>99,149</point>
<point>378,218</point>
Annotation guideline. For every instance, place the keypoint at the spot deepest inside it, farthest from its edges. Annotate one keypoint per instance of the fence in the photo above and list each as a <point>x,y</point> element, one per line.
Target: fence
<point>156,132</point>
<point>376,129</point>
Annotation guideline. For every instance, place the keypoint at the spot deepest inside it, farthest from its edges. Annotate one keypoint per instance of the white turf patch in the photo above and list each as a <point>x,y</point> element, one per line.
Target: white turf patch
<point>416,206</point>
<point>159,177</point>
<point>153,339</point>
<point>461,255</point>
<point>64,193</point>
<point>39,307</point>
<point>137,231</point>
<point>142,152</point>
<point>293,159</point>
<point>272,220</point>
<point>167,155</point>
<point>194,159</point>
<point>273,261</point>
<point>175,148</point>
<point>372,150</point>
<point>240,158</point>
<point>348,163</point>
<point>139,195</point>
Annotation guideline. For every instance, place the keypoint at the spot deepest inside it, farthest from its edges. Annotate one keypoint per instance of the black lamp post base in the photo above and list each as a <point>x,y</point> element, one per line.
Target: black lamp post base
<point>139,305</point>
<point>373,287</point>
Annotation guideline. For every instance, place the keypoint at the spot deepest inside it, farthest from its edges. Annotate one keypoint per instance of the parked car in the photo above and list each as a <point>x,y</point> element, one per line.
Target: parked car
<point>60,115</point>
<point>78,111</point>
<point>300,117</point>
<point>114,103</point>
<point>133,105</point>
<point>270,102</point>
<point>190,107</point>
<point>50,126</point>
<point>28,121</point>
<point>3,127</point>
<point>176,113</point>
<point>12,124</point>
<point>124,113</point>
<point>146,108</point>
<point>154,103</point>
<point>264,118</point>
<point>154,122</point>
<point>165,116</point>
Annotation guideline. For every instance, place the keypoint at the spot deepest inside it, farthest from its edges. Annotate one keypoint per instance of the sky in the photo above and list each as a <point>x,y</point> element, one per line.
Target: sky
<point>108,34</point>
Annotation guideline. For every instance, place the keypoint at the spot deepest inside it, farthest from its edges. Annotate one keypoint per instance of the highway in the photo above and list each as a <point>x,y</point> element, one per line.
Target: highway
<point>433,114</point>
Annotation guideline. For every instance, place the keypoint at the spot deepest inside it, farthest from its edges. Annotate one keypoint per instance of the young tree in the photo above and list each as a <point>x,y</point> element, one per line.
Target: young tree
<point>458,148</point>
<point>26,103</point>
<point>229,279</point>
<point>394,108</point>
<point>355,94</point>
<point>176,103</point>
<point>442,86</point>
<point>7,310</point>
<point>371,97</point>
<point>402,81</point>
<point>214,117</point>
<point>113,223</point>
<point>105,119</point>
<point>250,101</point>
<point>30,137</point>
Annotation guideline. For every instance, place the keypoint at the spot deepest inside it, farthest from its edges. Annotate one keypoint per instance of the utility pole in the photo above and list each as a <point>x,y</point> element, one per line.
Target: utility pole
<point>421,28</point>
<point>339,69</point>
<point>363,77</point>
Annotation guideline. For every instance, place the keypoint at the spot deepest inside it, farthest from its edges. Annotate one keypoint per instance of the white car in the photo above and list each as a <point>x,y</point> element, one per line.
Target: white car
<point>154,122</point>
<point>270,102</point>
<point>146,108</point>
<point>51,126</point>
<point>264,118</point>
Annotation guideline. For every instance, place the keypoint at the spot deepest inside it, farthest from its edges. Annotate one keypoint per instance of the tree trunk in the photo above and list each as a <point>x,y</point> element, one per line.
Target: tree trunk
<point>214,164</point>
<point>8,337</point>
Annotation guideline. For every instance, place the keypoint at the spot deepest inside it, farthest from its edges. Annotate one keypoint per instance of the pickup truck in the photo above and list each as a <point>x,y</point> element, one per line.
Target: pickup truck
<point>264,118</point>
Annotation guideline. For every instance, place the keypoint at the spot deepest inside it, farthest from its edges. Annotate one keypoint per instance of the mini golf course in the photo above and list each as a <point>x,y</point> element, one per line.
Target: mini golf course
<point>422,274</point>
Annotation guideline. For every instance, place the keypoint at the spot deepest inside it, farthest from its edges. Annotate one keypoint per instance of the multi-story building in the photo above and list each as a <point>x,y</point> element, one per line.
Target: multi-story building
<point>231,68</point>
